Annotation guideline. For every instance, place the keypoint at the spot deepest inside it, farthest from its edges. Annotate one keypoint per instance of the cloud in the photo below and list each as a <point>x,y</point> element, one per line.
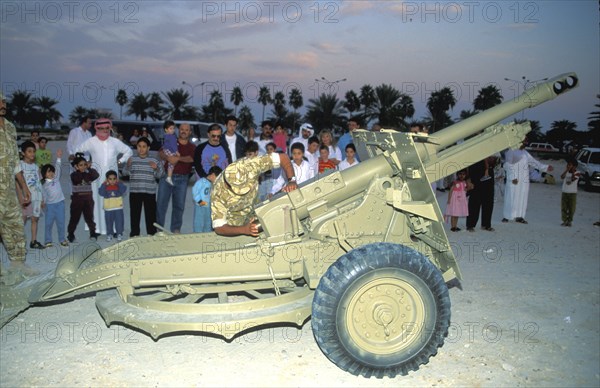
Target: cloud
<point>326,48</point>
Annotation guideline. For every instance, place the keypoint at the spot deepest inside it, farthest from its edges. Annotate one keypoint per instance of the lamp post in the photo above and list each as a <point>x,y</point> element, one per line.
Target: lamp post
<point>526,83</point>
<point>330,86</point>
<point>192,87</point>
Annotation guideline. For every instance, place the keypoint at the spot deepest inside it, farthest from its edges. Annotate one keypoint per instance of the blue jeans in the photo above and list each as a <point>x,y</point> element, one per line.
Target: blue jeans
<point>202,220</point>
<point>115,221</point>
<point>177,192</point>
<point>55,212</point>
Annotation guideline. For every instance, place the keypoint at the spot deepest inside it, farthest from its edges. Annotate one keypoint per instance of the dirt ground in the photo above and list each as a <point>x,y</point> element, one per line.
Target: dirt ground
<point>528,315</point>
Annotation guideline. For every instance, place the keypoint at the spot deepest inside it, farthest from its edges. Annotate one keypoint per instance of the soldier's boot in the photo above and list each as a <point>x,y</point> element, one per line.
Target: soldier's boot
<point>22,268</point>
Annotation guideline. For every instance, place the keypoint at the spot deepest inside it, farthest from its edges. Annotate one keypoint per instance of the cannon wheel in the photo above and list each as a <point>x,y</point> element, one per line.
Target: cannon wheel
<point>381,310</point>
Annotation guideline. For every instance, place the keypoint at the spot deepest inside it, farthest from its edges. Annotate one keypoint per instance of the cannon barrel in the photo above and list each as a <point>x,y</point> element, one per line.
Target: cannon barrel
<point>528,99</point>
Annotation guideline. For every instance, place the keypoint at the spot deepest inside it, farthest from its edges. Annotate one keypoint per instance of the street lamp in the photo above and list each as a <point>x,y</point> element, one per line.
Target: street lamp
<point>330,86</point>
<point>192,87</point>
<point>527,84</point>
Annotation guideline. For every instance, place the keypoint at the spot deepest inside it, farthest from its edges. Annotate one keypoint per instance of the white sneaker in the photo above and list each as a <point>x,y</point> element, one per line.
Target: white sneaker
<point>169,180</point>
<point>119,237</point>
<point>108,237</point>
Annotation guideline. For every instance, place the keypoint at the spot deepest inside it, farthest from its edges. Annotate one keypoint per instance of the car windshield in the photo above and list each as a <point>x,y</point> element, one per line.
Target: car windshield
<point>595,158</point>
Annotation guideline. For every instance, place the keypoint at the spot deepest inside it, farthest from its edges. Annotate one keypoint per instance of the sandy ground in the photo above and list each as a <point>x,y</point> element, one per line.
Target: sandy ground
<point>528,315</point>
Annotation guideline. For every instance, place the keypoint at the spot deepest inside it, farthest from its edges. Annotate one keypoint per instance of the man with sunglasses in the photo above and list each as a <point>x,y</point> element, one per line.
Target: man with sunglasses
<point>212,152</point>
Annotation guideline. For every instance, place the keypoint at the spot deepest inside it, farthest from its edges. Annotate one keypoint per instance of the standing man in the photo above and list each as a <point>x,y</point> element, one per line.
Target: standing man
<point>77,136</point>
<point>481,196</point>
<point>233,141</point>
<point>346,138</point>
<point>12,230</point>
<point>181,175</point>
<point>104,151</point>
<point>516,192</point>
<point>266,136</point>
<point>213,152</point>
<point>306,131</point>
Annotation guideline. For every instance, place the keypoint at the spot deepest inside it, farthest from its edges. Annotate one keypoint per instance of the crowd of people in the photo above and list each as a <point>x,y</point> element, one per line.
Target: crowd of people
<point>232,173</point>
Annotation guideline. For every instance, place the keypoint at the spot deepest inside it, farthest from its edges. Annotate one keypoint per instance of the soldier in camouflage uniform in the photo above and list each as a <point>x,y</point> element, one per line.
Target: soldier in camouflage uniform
<point>12,230</point>
<point>235,190</point>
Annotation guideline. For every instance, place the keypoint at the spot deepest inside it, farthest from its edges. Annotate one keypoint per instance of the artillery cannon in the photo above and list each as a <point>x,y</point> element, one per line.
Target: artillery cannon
<point>363,251</point>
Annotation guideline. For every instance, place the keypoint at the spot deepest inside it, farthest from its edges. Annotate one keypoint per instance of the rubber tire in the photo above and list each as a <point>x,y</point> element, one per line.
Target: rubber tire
<point>356,274</point>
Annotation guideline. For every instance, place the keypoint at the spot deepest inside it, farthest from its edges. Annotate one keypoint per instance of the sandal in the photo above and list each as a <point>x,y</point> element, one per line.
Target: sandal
<point>521,221</point>
<point>36,245</point>
<point>504,220</point>
<point>455,229</point>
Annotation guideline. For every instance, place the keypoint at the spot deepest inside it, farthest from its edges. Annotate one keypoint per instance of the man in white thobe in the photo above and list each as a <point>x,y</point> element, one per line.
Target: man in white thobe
<point>516,165</point>
<point>104,150</point>
<point>77,136</point>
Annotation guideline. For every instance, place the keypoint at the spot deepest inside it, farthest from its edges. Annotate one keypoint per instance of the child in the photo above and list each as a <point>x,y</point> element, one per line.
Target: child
<point>201,194</point>
<point>143,170</point>
<point>112,191</point>
<point>32,176</point>
<point>302,169</point>
<point>55,201</point>
<point>82,200</point>
<point>170,147</point>
<point>280,138</point>
<point>350,158</point>
<point>325,164</point>
<point>457,200</point>
<point>42,155</point>
<point>312,153</point>
<point>568,200</point>
<point>267,179</point>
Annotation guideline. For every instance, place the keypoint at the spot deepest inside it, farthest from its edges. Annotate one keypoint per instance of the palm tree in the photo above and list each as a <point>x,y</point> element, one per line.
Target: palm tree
<point>352,102</point>
<point>21,106</point>
<point>488,97</point>
<point>246,119</point>
<point>138,106</point>
<point>215,111</point>
<point>560,131</point>
<point>155,106</point>
<point>177,103</point>
<point>296,101</point>
<point>392,107</point>
<point>78,113</point>
<point>121,99</point>
<point>367,99</point>
<point>45,106</point>
<point>594,124</point>
<point>438,104</point>
<point>536,134</point>
<point>465,114</point>
<point>326,111</point>
<point>264,97</point>
<point>237,98</point>
<point>279,110</point>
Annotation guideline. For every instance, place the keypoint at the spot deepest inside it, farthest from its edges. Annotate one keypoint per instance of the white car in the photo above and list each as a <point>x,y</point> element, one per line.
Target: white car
<point>541,147</point>
<point>589,166</point>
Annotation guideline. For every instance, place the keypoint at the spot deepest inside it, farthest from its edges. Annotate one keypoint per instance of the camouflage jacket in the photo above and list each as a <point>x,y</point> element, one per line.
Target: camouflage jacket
<point>235,190</point>
<point>9,158</point>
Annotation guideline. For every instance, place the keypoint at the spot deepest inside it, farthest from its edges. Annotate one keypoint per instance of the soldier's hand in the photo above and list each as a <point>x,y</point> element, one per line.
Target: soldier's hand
<point>291,186</point>
<point>252,228</point>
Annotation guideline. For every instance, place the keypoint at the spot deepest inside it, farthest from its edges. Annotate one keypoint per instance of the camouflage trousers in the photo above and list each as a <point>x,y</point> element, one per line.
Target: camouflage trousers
<point>12,229</point>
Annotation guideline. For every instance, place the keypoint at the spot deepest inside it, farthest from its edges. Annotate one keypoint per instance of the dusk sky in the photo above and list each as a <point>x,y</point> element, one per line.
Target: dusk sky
<point>81,52</point>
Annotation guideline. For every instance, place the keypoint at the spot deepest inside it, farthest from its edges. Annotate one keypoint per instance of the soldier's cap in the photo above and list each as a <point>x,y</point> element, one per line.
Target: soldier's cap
<point>240,178</point>
<point>102,121</point>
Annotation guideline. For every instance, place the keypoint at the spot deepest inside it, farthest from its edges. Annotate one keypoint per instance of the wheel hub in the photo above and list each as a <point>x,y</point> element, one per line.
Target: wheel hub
<point>384,315</point>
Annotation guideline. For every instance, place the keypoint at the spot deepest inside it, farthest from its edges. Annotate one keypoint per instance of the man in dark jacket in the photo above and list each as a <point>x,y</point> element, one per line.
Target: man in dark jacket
<point>232,140</point>
<point>481,197</point>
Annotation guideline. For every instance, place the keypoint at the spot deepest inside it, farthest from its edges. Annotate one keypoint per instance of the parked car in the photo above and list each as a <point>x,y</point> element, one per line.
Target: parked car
<point>589,166</point>
<point>541,147</point>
